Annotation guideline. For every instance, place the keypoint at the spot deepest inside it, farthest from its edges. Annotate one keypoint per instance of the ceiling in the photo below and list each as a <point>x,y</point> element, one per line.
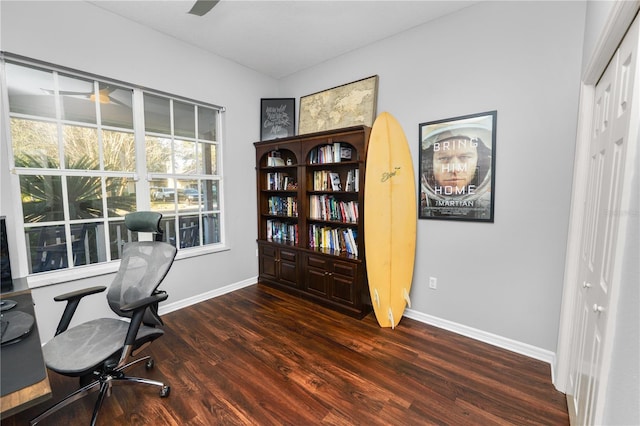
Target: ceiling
<point>279,38</point>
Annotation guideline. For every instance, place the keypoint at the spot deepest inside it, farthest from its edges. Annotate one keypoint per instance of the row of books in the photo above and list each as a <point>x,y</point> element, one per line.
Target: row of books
<point>331,153</point>
<point>282,232</point>
<point>327,180</point>
<point>283,206</point>
<point>278,181</point>
<point>335,240</point>
<point>326,207</point>
<point>274,159</point>
<point>353,181</point>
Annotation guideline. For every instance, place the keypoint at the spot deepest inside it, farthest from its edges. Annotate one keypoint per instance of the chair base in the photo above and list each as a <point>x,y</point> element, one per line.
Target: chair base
<point>104,384</point>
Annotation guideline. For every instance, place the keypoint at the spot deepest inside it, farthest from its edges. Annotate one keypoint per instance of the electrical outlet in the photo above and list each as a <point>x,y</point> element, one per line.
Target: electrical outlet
<point>433,283</point>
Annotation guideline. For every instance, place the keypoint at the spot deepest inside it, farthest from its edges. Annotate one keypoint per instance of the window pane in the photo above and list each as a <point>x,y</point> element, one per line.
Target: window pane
<point>210,194</point>
<point>188,195</point>
<point>209,158</point>
<point>47,248</point>
<point>207,123</point>
<point>185,157</point>
<point>158,155</point>
<point>157,116</point>
<point>184,120</point>
<point>163,195</point>
<point>85,197</point>
<point>77,99</point>
<point>31,91</point>
<point>35,144</point>
<point>116,106</point>
<point>41,198</point>
<point>189,231</point>
<point>81,148</point>
<point>87,243</point>
<point>119,151</point>
<point>121,196</point>
<point>211,225</point>
<point>119,235</point>
<point>168,225</point>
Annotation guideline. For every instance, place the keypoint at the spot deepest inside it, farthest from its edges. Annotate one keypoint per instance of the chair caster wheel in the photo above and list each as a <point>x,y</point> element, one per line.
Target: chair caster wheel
<point>166,390</point>
<point>149,364</point>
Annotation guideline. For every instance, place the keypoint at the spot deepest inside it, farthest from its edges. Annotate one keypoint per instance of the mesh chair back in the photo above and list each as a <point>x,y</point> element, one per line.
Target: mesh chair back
<point>143,266</point>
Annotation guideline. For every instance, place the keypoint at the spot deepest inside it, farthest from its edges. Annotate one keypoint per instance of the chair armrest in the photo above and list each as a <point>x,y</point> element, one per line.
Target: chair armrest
<point>79,293</point>
<point>138,308</point>
<point>73,299</point>
<point>154,298</point>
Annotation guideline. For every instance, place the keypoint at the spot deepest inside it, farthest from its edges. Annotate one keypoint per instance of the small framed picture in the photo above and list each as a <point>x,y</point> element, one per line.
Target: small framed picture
<point>277,118</point>
<point>457,168</point>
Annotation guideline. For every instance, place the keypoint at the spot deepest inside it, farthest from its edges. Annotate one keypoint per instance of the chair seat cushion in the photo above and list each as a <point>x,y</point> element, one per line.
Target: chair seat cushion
<point>80,349</point>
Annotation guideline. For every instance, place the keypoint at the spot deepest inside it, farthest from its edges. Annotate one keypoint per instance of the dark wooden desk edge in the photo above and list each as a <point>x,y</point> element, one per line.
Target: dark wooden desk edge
<point>24,398</point>
<point>31,395</point>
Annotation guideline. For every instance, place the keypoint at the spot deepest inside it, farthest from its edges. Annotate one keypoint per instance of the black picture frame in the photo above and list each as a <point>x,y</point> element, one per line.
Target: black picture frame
<point>277,118</point>
<point>457,168</point>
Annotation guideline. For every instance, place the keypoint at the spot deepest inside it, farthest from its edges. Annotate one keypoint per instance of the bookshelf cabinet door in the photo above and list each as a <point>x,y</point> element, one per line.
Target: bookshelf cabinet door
<point>344,282</point>
<point>268,262</point>
<point>316,275</point>
<point>289,267</point>
<point>278,265</point>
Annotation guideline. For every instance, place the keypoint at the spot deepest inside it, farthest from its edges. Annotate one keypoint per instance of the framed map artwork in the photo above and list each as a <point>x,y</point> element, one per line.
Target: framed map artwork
<point>348,105</point>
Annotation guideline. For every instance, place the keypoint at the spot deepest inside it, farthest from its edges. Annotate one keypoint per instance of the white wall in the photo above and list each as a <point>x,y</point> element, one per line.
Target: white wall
<point>81,36</point>
<point>522,59</point>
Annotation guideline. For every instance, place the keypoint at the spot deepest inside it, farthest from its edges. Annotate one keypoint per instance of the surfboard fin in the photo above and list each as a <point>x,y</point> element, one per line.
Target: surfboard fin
<point>393,323</point>
<point>406,297</point>
<point>376,297</point>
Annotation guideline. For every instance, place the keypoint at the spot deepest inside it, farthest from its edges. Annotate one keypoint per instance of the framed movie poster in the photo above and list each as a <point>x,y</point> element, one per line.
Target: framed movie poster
<point>457,168</point>
<point>277,118</point>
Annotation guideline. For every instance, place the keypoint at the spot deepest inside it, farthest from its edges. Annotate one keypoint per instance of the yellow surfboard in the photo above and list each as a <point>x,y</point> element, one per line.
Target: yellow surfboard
<point>390,212</point>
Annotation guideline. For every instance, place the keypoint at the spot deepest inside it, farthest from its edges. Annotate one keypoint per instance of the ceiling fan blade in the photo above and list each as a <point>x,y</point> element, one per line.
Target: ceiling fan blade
<point>115,101</point>
<point>203,6</point>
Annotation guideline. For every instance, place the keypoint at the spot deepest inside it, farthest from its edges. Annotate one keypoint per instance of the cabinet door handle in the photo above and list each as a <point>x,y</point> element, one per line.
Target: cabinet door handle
<point>586,284</point>
<point>597,308</point>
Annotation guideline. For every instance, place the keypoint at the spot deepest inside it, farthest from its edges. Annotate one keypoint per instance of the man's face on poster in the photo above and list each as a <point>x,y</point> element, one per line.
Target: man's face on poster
<point>454,164</point>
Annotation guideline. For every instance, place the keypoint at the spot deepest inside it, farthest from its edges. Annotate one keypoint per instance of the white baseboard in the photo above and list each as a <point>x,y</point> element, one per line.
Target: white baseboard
<point>483,336</point>
<point>165,309</point>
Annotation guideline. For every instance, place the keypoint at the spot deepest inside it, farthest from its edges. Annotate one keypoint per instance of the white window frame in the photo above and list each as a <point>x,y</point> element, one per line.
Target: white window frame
<point>141,177</point>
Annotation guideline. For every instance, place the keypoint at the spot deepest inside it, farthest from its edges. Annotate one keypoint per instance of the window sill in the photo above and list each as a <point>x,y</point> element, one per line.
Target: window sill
<point>89,271</point>
<point>200,251</point>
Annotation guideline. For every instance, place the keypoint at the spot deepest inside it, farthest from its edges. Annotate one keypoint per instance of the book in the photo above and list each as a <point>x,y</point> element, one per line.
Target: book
<point>335,181</point>
<point>275,162</point>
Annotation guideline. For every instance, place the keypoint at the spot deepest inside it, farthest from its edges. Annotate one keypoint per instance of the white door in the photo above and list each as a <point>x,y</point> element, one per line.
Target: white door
<point>603,230</point>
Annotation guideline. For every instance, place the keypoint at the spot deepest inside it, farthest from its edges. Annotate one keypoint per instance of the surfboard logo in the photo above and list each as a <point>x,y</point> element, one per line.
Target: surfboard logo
<point>388,175</point>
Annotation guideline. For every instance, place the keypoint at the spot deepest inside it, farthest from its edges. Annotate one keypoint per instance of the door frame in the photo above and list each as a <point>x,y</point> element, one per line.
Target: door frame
<point>620,18</point>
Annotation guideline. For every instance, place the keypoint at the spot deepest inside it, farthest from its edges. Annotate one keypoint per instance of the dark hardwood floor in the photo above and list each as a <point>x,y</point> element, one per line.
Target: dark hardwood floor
<point>261,357</point>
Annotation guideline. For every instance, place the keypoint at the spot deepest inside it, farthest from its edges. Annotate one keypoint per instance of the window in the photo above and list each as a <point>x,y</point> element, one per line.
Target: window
<point>182,162</point>
<point>83,164</point>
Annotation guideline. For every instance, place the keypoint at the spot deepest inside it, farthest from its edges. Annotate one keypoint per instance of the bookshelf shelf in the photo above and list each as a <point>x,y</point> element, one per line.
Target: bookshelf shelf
<point>310,209</point>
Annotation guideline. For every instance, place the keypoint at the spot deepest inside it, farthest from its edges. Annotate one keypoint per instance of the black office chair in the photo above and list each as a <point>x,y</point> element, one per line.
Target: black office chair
<point>98,351</point>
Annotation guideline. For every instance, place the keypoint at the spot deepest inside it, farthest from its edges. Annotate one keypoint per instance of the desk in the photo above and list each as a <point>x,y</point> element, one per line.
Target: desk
<point>21,358</point>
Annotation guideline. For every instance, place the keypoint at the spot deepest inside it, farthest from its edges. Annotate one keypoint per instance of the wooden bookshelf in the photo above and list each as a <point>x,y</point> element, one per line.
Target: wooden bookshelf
<point>310,217</point>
